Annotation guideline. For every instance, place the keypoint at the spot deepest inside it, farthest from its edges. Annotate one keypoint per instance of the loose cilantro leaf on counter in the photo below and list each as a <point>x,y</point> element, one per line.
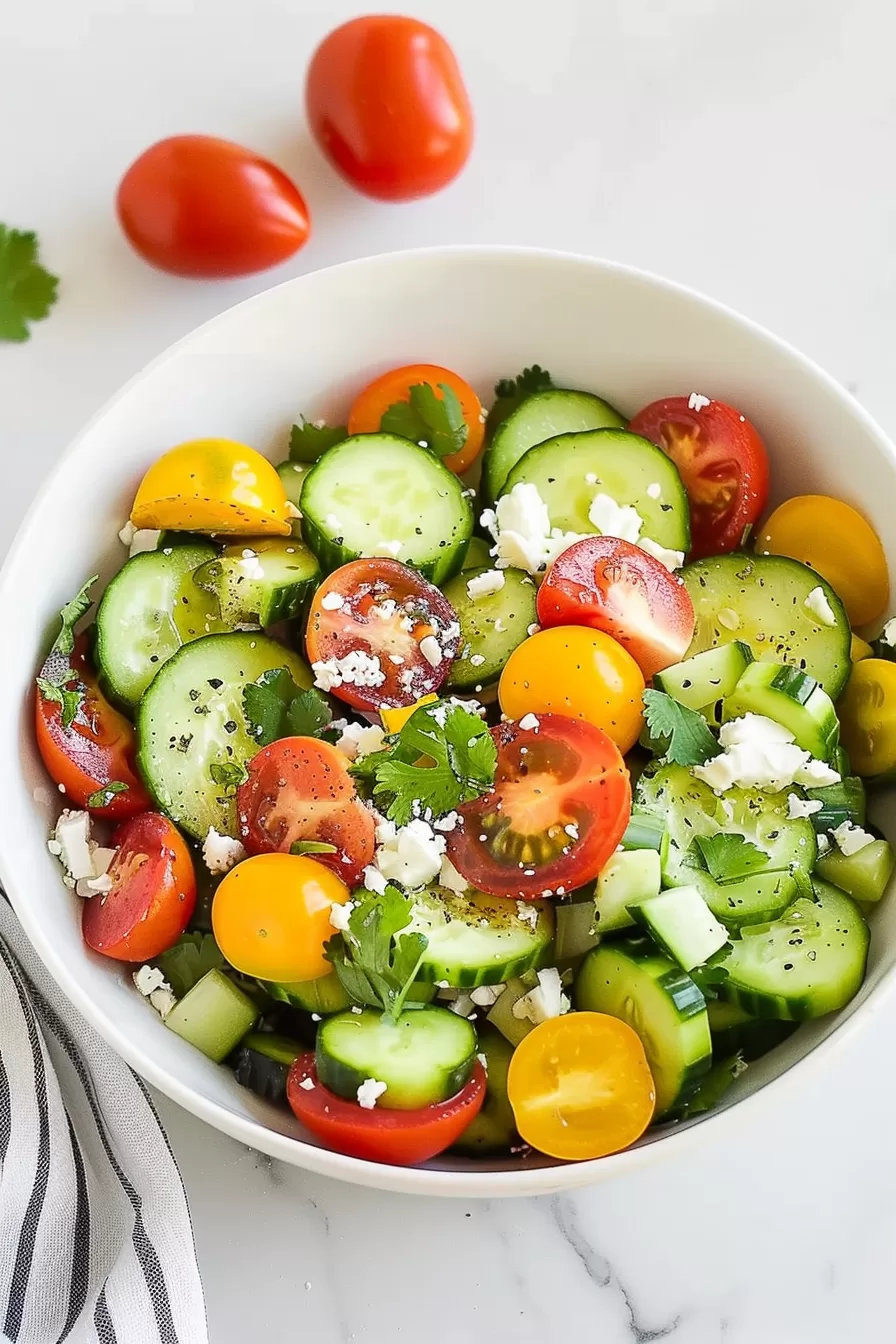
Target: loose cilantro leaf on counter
<point>509,392</point>
<point>27,291</point>
<point>104,796</point>
<point>436,422</point>
<point>375,966</point>
<point>690,741</point>
<point>58,681</point>
<point>308,441</point>
<point>275,707</point>
<point>191,957</point>
<point>729,857</point>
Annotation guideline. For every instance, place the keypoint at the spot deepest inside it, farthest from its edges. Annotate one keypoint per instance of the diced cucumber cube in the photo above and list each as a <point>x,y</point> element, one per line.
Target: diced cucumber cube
<point>214,1016</point>
<point>683,925</point>
<point>629,876</point>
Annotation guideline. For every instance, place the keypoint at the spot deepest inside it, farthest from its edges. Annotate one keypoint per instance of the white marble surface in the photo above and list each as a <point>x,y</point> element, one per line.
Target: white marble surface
<point>742,146</point>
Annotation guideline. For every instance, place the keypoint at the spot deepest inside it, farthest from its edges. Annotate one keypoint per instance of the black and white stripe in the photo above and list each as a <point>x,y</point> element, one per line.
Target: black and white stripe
<point>95,1237</point>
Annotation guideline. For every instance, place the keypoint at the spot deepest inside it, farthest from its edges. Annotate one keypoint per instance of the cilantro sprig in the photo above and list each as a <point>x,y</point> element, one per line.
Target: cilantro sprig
<point>712,973</point>
<point>376,963</point>
<point>435,422</point>
<point>308,441</point>
<point>729,857</point>
<point>184,964</point>
<point>58,681</point>
<point>27,290</point>
<point>684,733</point>
<point>443,756</point>
<point>274,707</point>
<point>509,392</point>
<point>103,796</point>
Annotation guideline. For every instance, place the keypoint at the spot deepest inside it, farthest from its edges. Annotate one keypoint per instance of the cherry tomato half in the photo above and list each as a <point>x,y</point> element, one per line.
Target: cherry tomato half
<point>611,585</point>
<point>387,105</point>
<point>98,749</point>
<point>867,713</point>
<point>722,462</point>
<point>401,1138</point>
<point>377,397</point>
<point>390,613</point>
<point>271,916</point>
<point>196,205</point>
<point>213,485</point>
<point>580,1087</point>
<point>299,789</point>
<point>153,892</point>
<point>561,802</point>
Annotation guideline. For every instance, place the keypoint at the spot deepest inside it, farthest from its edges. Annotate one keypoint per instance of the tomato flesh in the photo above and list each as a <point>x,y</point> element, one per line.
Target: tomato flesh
<point>299,789</point>
<point>722,462</point>
<point>387,611</point>
<point>559,807</point>
<point>614,586</point>
<point>401,1138</point>
<point>153,892</point>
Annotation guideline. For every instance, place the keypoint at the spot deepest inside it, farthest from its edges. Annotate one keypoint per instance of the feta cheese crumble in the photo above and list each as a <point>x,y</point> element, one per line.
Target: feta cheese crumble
<point>851,839</point>
<point>249,565</point>
<point>355,668</point>
<point>615,520</point>
<point>520,524</point>
<point>387,550</point>
<point>374,880</point>
<point>72,844</point>
<point>481,585</point>
<point>485,996</point>
<point>696,401</point>
<point>450,877</point>
<point>152,984</point>
<point>138,539</point>
<point>671,559</point>
<point>332,602</point>
<point>529,723</point>
<point>802,807</point>
<point>221,852</point>
<point>545,1001</point>
<point>761,754</point>
<point>360,739</point>
<point>411,855</point>
<point>888,634</point>
<point>431,650</point>
<point>368,1093</point>
<point>527,914</point>
<point>819,608</point>
<point>340,915</point>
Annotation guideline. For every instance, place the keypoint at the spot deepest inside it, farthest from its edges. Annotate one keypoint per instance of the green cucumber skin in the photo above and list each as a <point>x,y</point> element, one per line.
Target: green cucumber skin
<point>846,801</point>
<point>491,963</point>
<point>513,605</point>
<point>573,412</point>
<point>493,1130</point>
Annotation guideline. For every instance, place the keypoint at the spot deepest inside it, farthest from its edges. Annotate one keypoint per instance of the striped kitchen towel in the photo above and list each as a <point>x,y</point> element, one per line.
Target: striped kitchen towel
<point>96,1243</point>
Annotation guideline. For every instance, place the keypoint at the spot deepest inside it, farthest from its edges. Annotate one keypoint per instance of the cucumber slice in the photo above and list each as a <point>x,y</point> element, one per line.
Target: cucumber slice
<point>493,1130</point>
<point>576,926</point>
<point>625,466</point>
<point>375,489</point>
<point>214,1016</point>
<point>290,573</point>
<point>846,801</point>
<point>501,1015</point>
<point>477,555</point>
<point>627,878</point>
<point>541,416</point>
<point>700,681</point>
<point>324,995</point>
<point>809,962</point>
<point>680,921</point>
<point>262,1063</point>
<point>425,1057</point>
<point>491,626</point>
<point>645,831</point>
<point>631,980</point>
<point>151,608</point>
<point>191,718</point>
<point>864,875</point>
<point>766,595</point>
<point>475,939</point>
<point>793,699</point>
<point>292,474</point>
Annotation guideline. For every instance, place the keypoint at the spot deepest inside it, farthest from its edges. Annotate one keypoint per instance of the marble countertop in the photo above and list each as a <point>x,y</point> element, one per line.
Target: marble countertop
<point>744,148</point>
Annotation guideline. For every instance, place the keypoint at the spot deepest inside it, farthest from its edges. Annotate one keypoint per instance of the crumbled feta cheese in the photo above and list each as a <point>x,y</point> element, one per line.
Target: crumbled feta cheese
<point>307,1084</point>
<point>139,539</point>
<point>615,520</point>
<point>355,668</point>
<point>819,608</point>
<point>340,915</point>
<point>101,882</point>
<point>484,996</point>
<point>824,845</point>
<point>815,775</point>
<point>572,830</point>
<point>448,822</point>
<point>888,634</point>
<point>249,565</point>
<point>529,723</point>
<point>728,618</point>
<point>696,401</point>
<point>449,877</point>
<point>221,852</point>
<point>761,754</point>
<point>332,602</point>
<point>387,550</point>
<point>851,839</point>
<point>153,986</point>
<point>527,914</point>
<point>477,659</point>
<point>802,807</point>
<point>520,524</point>
<point>360,739</point>
<point>126,535</point>
<point>368,1093</point>
<point>492,581</point>
<point>671,559</point>
<point>374,880</point>
<point>407,678</point>
<point>655,490</point>
<point>461,1003</point>
<point>72,835</point>
<point>411,855</point>
<point>431,650</point>
<point>545,1001</point>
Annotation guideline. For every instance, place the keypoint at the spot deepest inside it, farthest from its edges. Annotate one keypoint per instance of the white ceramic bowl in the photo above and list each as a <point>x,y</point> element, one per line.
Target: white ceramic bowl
<point>306,347</point>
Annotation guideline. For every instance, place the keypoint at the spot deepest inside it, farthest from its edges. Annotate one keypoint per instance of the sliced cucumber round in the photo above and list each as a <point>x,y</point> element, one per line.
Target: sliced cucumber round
<point>324,995</point>
<point>477,554</point>
<point>765,595</point>
<point>477,939</point>
<point>789,697</point>
<point>631,980</point>
<point>264,581</point>
<point>700,681</point>
<point>425,1057</point>
<point>493,1130</point>
<point>541,416</point>
<point>262,1062</point>
<point>491,626</point>
<point>151,608</point>
<point>191,718</point>
<point>376,491</point>
<point>570,470</point>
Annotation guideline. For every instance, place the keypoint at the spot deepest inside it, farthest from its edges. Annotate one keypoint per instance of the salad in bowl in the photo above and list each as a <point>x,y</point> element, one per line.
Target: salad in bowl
<point>484,778</point>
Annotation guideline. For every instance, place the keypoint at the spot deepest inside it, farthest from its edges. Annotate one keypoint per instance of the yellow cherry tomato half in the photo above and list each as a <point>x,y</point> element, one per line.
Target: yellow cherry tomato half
<point>579,672</point>
<point>839,544</point>
<point>213,485</point>
<point>271,916</point>
<point>580,1086</point>
<point>867,712</point>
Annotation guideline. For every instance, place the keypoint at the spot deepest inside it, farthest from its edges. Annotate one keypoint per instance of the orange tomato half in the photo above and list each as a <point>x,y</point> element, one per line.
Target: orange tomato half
<point>371,405</point>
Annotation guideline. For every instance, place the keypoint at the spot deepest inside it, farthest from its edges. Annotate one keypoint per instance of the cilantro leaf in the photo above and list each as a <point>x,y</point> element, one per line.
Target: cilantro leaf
<point>69,695</point>
<point>712,973</point>
<point>443,756</point>
<point>308,713</point>
<point>312,847</point>
<point>436,422</point>
<point>228,774</point>
<point>104,796</point>
<point>729,857</point>
<point>511,391</point>
<point>27,291</point>
<point>275,707</point>
<point>70,615</point>
<point>690,741</point>
<point>375,966</point>
<point>58,681</point>
<point>191,957</point>
<point>308,441</point>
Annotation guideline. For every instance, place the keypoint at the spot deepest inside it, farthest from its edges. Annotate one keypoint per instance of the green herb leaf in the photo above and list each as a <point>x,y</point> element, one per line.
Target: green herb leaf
<point>275,707</point>
<point>68,694</point>
<point>58,681</point>
<point>104,796</point>
<point>509,392</point>
<point>312,847</point>
<point>715,1084</point>
<point>712,973</point>
<point>70,616</point>
<point>191,957</point>
<point>27,291</point>
<point>374,964</point>
<point>308,713</point>
<point>690,741</point>
<point>729,857</point>
<point>308,442</point>
<point>229,775</point>
<point>425,418</point>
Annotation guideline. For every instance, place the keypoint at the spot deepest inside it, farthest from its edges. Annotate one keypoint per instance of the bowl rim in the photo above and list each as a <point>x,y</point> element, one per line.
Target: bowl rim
<point>519,1181</point>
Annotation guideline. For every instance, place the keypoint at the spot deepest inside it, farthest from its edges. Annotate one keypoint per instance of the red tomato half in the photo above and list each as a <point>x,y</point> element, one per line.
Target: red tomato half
<point>387,105</point>
<point>299,789</point>
<point>561,801</point>
<point>153,892</point>
<point>401,1138</point>
<point>388,612</point>
<point>611,585</point>
<point>98,749</point>
<point>195,205</point>
<point>722,462</point>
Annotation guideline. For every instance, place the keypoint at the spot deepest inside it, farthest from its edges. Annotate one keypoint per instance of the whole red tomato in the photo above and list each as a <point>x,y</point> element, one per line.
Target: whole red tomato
<point>195,205</point>
<point>387,105</point>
